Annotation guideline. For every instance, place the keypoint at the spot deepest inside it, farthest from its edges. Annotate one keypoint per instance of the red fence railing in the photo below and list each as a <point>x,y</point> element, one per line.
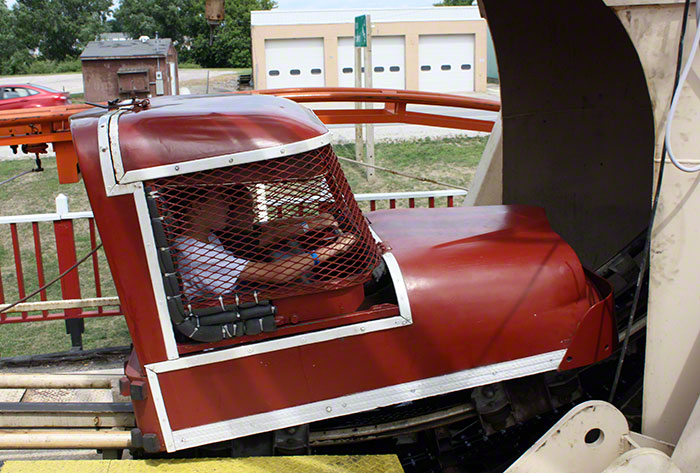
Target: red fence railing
<point>43,247</point>
<point>82,290</point>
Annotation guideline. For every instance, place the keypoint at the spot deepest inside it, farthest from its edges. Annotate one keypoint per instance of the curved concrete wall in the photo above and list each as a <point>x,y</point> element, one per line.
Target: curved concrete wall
<point>578,130</point>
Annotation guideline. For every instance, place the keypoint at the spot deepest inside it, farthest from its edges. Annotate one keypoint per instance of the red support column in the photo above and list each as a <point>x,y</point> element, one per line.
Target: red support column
<point>70,283</point>
<point>39,264</point>
<point>3,316</point>
<point>95,262</point>
<point>18,264</point>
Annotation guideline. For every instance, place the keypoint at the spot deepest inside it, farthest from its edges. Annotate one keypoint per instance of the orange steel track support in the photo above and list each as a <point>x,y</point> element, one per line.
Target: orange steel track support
<point>50,124</point>
<point>44,125</point>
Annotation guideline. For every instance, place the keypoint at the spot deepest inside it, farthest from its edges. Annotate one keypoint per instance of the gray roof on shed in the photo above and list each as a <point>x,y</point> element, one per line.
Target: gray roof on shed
<point>125,49</point>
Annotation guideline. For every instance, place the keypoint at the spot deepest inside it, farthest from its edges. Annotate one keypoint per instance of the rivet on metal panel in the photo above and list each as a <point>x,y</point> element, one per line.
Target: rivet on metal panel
<point>177,168</point>
<point>329,409</point>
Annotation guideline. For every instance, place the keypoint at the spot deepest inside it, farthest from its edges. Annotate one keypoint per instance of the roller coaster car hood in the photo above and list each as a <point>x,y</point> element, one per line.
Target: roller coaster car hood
<point>177,129</point>
<point>484,293</point>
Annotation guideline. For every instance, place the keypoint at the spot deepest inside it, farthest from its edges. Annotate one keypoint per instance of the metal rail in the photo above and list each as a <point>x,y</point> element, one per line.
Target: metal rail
<point>69,439</point>
<point>389,429</point>
<point>57,381</point>
<point>44,415</point>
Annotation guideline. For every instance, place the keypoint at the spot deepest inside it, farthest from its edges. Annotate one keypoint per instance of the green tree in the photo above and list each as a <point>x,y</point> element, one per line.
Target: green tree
<point>59,28</point>
<point>184,22</point>
<point>14,56</point>
<point>174,19</point>
<point>454,3</point>
<point>231,46</point>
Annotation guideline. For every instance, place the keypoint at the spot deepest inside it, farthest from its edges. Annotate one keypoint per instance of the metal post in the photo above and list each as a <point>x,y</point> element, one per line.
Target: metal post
<point>70,283</point>
<point>359,139</point>
<point>368,83</point>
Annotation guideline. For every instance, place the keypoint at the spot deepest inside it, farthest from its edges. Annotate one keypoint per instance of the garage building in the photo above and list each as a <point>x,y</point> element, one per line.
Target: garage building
<point>441,49</point>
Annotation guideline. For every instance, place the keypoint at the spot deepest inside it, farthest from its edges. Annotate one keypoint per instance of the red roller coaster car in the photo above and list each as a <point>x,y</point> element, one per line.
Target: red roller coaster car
<point>217,214</point>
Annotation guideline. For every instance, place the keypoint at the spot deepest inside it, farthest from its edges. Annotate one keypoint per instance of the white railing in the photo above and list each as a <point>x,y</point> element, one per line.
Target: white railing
<point>62,213</point>
<point>410,195</point>
<point>393,197</point>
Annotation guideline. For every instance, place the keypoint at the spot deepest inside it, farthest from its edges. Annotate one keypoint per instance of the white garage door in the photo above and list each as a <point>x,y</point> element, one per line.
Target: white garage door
<point>388,62</point>
<point>294,63</point>
<point>446,63</point>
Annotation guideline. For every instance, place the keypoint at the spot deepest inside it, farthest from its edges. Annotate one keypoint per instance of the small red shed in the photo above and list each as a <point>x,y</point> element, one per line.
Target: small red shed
<point>131,68</point>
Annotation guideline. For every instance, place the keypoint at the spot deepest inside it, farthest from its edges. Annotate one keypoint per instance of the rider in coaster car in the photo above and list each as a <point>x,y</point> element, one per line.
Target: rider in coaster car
<point>207,268</point>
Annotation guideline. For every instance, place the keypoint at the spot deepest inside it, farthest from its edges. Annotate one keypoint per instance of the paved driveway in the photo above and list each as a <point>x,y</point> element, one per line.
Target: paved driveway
<point>73,82</point>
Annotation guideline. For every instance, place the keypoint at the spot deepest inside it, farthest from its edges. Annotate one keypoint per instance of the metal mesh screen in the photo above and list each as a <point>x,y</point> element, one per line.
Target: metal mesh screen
<point>278,228</point>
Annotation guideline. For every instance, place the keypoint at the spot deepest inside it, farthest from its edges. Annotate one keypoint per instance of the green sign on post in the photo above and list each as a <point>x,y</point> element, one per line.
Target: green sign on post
<point>361,31</point>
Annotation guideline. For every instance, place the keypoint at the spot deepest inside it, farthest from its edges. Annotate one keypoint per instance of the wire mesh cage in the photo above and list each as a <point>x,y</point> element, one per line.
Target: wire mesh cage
<point>268,229</point>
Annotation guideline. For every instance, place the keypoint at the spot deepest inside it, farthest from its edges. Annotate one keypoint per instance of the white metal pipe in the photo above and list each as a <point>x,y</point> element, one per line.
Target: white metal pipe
<point>71,439</point>
<point>410,195</point>
<point>50,217</point>
<point>56,381</point>
<point>63,304</point>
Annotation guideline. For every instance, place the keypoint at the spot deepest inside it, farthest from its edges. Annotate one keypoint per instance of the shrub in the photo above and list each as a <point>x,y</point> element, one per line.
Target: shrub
<point>44,66</point>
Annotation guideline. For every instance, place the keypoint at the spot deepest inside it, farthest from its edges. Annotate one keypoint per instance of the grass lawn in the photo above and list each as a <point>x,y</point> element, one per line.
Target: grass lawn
<point>450,160</point>
<point>36,193</point>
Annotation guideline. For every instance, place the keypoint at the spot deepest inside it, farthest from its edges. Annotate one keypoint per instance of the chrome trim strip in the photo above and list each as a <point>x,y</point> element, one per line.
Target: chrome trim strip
<point>398,280</point>
<point>226,160</point>
<point>108,144</point>
<point>399,286</point>
<point>354,403</point>
<point>292,341</point>
<point>151,251</point>
<point>105,154</point>
<point>167,431</point>
<point>115,145</point>
<point>110,158</point>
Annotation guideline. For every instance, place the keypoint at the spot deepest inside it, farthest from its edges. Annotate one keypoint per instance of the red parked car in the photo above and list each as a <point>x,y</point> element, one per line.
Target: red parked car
<point>30,95</point>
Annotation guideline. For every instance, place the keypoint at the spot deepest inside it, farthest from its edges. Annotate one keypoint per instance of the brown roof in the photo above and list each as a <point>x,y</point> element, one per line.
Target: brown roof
<point>125,49</point>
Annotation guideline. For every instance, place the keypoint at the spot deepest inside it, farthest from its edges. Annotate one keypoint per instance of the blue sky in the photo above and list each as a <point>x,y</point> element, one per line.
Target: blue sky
<point>337,4</point>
